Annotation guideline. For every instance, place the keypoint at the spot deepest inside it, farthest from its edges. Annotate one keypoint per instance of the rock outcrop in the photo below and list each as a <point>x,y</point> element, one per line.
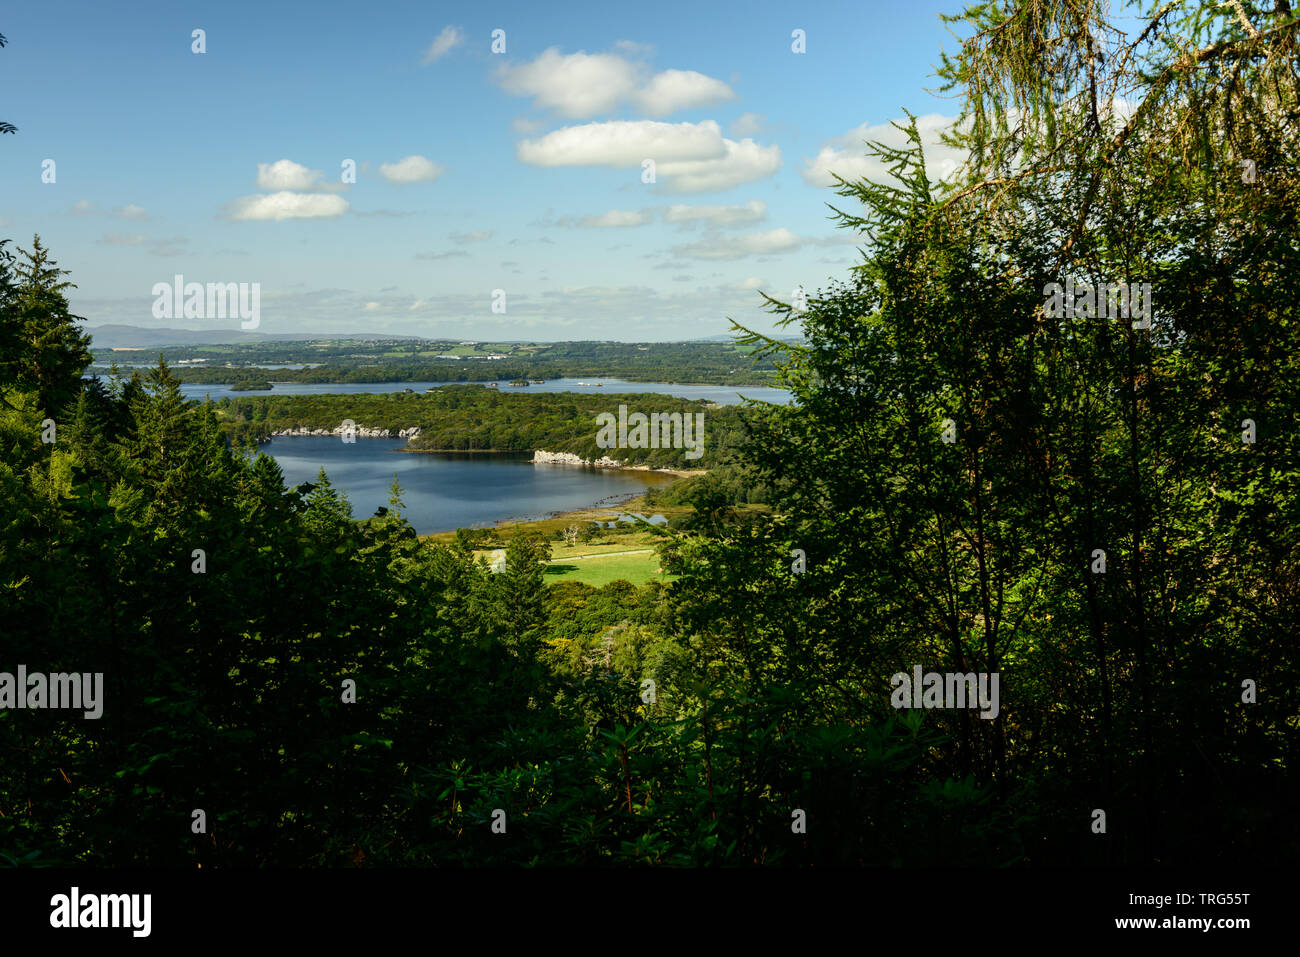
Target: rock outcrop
<point>360,432</point>
<point>542,457</point>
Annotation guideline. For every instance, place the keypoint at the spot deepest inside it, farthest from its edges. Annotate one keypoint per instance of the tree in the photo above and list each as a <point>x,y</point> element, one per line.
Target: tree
<point>328,510</point>
<point>50,352</point>
<point>960,452</point>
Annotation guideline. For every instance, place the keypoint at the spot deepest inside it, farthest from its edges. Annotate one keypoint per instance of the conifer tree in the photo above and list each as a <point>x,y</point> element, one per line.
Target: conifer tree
<point>51,352</point>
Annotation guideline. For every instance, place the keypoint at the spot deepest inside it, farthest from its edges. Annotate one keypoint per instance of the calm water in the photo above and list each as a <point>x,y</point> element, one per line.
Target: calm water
<point>725,395</point>
<point>448,491</point>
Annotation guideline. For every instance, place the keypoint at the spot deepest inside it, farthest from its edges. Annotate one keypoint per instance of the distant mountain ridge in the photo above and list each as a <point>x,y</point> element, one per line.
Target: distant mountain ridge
<point>118,336</point>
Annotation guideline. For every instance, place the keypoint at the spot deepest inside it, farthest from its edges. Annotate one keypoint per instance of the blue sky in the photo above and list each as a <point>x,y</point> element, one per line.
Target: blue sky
<point>476,170</point>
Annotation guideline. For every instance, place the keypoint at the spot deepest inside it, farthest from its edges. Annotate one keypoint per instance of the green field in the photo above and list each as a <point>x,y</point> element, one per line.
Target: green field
<point>633,563</point>
<point>629,555</point>
<point>637,568</point>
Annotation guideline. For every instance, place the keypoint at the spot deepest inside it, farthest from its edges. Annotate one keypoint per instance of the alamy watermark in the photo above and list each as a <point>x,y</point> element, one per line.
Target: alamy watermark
<point>36,690</point>
<point>658,430</point>
<point>218,300</point>
<point>75,910</point>
<point>1112,300</point>
<point>951,690</point>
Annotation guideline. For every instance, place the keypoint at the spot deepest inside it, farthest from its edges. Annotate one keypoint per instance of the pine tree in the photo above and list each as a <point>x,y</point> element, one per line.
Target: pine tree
<point>52,353</point>
<point>328,512</point>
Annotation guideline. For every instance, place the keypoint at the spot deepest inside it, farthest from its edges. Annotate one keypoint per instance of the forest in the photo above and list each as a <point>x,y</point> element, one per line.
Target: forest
<point>1105,513</point>
<point>706,363</point>
<point>474,418</point>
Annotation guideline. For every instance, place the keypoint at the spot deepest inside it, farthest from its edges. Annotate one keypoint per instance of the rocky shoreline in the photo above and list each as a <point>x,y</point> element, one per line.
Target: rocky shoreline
<point>542,457</point>
<point>360,432</point>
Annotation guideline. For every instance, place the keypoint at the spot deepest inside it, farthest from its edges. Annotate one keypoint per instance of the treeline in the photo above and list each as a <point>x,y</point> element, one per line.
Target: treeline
<point>686,362</point>
<point>479,419</point>
<point>476,370</point>
<point>736,483</point>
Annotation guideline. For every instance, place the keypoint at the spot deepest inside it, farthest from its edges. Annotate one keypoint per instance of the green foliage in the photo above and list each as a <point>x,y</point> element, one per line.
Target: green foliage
<point>41,349</point>
<point>415,360</point>
<point>1071,434</point>
<point>479,419</point>
<point>692,723</point>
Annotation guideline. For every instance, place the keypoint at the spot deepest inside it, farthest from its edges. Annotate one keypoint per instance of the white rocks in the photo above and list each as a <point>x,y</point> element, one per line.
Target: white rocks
<point>542,457</point>
<point>360,432</point>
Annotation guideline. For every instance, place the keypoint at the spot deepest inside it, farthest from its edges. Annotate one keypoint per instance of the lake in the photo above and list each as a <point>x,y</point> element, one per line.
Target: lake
<point>722,394</point>
<point>446,491</point>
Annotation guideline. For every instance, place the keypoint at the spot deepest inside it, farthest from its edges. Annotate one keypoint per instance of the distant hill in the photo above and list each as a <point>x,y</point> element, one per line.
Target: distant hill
<point>116,336</point>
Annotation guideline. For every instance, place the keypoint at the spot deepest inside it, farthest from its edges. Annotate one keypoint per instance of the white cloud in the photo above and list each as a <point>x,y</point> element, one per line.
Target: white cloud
<point>372,307</point>
<point>169,247</point>
<point>691,157</point>
<point>84,207</point>
<point>286,174</point>
<point>580,85</point>
<point>412,169</point>
<point>597,292</point>
<point>444,255</point>
<point>477,236</point>
<point>632,48</point>
<point>664,311</point>
<point>576,85</point>
<point>624,144</point>
<point>288,205</point>
<point>749,124</point>
<point>442,45</point>
<point>744,162</point>
<point>674,90</point>
<point>753,282</point>
<point>617,217</point>
<point>122,239</point>
<point>737,247</point>
<point>752,212</point>
<point>847,155</point>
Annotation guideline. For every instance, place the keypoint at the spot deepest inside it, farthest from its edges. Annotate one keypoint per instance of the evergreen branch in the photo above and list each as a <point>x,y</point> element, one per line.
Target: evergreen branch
<point>767,345</point>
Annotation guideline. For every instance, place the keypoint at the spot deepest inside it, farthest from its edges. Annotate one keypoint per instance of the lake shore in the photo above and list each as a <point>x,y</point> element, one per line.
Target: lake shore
<point>604,510</point>
<point>676,473</point>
